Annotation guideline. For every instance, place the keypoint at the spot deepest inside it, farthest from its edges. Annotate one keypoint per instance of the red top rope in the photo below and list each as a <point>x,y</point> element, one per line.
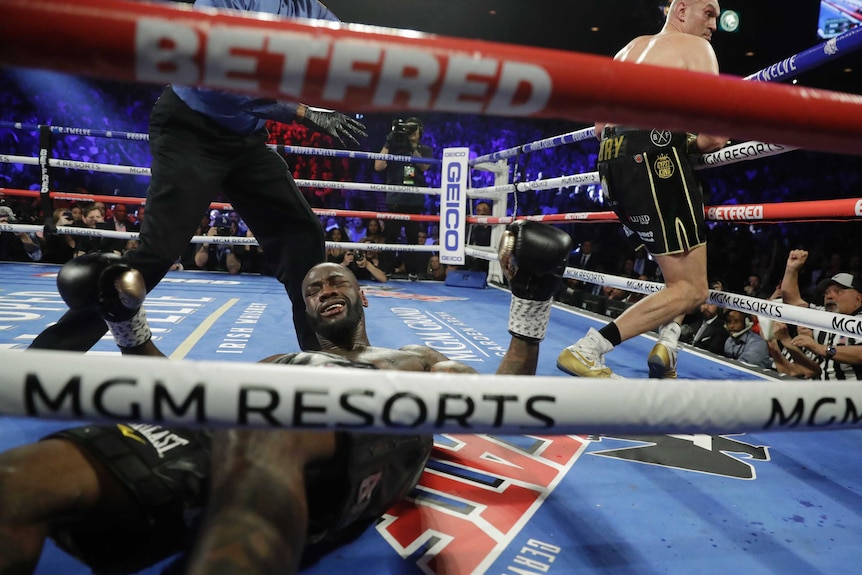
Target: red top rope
<point>347,68</point>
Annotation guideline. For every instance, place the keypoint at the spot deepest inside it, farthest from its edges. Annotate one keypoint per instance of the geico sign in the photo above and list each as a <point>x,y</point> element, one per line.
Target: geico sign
<point>451,207</point>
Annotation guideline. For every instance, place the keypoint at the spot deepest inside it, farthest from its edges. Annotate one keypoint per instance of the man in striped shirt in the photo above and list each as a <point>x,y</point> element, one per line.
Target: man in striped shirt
<point>839,356</point>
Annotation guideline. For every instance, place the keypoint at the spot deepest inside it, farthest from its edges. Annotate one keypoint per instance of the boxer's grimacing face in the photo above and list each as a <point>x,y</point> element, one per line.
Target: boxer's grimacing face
<point>333,300</point>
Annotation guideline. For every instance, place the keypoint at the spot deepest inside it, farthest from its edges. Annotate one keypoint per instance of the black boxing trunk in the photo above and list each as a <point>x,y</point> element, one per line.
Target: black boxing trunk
<point>167,473</point>
<point>650,184</point>
<point>369,473</point>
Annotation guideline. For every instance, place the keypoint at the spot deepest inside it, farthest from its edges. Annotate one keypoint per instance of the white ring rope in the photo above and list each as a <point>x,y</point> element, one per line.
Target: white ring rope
<point>144,171</point>
<point>791,314</point>
<point>738,153</point>
<point>25,160</point>
<point>238,240</point>
<point>384,247</point>
<point>302,183</point>
<point>560,182</point>
<point>283,148</point>
<point>78,231</point>
<point>729,155</point>
<point>70,386</point>
<point>545,143</point>
<point>337,153</point>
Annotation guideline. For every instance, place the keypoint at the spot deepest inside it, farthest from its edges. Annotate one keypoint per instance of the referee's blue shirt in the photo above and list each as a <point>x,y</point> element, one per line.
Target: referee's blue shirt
<point>247,114</point>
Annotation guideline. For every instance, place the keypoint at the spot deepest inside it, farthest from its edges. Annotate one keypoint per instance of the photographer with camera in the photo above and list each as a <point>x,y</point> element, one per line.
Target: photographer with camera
<point>218,256</point>
<point>58,248</point>
<point>363,268</point>
<point>404,140</point>
<point>17,246</point>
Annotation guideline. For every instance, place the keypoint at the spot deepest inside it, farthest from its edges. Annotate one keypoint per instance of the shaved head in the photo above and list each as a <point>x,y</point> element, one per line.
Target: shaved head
<point>695,17</point>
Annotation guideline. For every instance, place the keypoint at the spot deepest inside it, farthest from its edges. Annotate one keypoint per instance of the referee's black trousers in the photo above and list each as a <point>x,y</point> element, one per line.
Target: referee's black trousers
<point>193,158</point>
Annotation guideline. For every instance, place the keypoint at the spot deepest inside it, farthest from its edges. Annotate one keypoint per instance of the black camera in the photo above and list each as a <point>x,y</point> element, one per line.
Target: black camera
<point>67,215</point>
<point>358,256</point>
<point>399,137</point>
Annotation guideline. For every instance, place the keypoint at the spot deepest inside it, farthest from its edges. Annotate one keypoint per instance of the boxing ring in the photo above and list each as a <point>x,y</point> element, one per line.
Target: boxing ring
<point>610,496</point>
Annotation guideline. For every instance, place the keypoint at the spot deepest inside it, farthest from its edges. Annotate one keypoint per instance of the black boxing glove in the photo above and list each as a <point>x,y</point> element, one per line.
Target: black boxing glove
<point>533,257</point>
<point>107,285</point>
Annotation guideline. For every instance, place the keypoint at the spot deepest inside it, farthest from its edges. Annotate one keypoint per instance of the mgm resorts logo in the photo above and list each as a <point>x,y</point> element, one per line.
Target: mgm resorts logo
<point>311,406</point>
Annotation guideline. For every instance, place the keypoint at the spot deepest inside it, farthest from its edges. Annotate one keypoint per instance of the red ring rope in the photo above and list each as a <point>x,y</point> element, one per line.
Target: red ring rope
<point>372,71</point>
<point>816,210</point>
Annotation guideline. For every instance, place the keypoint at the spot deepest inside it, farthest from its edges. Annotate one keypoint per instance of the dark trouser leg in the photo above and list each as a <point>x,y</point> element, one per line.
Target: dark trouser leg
<point>190,160</point>
<point>262,190</point>
<point>77,330</point>
<point>392,230</point>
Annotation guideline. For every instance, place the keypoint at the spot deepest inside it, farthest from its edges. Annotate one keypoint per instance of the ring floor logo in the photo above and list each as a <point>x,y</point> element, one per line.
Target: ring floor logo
<point>710,454</point>
<point>451,336</point>
<point>477,493</point>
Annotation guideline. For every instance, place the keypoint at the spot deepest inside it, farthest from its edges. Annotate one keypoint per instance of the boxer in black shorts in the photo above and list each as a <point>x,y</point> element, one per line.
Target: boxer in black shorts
<point>669,219</point>
<point>122,497</point>
<point>652,188</point>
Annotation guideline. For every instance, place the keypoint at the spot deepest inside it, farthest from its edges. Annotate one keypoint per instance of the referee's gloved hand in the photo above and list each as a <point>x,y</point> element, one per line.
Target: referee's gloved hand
<point>335,124</point>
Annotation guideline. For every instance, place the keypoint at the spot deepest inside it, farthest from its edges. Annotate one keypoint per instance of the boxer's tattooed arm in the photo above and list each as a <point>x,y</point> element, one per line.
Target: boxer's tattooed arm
<point>246,543</point>
<point>521,358</point>
<point>257,514</point>
<point>427,357</point>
